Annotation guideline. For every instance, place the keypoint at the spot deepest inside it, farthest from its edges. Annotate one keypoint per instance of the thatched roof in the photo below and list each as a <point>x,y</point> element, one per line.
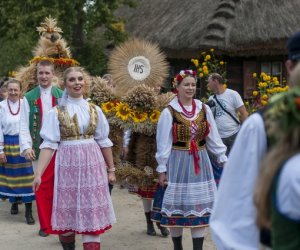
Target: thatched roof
<point>235,27</point>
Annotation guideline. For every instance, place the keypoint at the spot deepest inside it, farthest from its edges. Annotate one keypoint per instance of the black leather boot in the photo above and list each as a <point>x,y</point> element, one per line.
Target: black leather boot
<point>28,214</point>
<point>150,227</point>
<point>177,241</point>
<point>42,233</point>
<point>68,246</point>
<point>198,243</point>
<point>14,208</point>
<point>163,230</point>
<point>67,242</point>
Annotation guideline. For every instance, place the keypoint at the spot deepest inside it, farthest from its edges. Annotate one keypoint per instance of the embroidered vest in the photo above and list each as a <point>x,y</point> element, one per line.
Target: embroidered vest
<point>285,232</point>
<point>182,132</point>
<point>35,118</point>
<point>69,128</point>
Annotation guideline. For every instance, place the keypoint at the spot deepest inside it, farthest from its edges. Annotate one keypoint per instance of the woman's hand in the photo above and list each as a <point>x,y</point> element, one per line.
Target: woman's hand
<point>36,183</point>
<point>111,177</point>
<point>221,164</point>
<point>3,158</point>
<point>29,154</point>
<point>162,179</point>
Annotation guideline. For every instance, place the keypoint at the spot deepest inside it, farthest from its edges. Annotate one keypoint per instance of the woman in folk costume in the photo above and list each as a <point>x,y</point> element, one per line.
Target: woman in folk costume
<point>277,194</point>
<point>16,173</point>
<point>79,132</point>
<point>185,128</point>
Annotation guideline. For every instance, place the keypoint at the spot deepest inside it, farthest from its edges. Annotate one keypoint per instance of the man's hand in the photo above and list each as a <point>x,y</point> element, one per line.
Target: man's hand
<point>162,179</point>
<point>2,158</point>
<point>29,154</point>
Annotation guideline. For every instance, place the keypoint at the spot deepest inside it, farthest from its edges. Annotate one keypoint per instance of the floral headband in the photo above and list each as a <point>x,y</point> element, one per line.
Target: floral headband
<point>283,114</point>
<point>183,74</point>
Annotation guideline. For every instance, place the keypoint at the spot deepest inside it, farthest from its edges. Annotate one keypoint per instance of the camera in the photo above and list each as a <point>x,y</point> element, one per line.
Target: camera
<point>210,103</point>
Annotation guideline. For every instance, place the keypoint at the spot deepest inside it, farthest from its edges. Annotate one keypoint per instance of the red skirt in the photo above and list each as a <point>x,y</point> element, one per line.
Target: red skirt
<point>44,202</point>
<point>147,192</point>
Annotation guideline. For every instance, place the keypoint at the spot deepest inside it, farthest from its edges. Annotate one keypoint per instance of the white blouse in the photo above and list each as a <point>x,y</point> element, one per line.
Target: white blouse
<point>9,124</point>
<point>164,136</point>
<point>50,130</point>
<point>288,189</point>
<point>233,219</point>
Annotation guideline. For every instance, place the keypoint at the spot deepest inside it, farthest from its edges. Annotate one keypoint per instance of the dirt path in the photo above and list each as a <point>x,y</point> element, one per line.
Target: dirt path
<point>128,234</point>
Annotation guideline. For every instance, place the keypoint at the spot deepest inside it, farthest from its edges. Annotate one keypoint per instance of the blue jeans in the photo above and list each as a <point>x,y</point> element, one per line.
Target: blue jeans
<point>228,141</point>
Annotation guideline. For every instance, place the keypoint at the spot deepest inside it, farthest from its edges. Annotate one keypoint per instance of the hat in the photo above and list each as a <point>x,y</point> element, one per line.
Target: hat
<point>293,46</point>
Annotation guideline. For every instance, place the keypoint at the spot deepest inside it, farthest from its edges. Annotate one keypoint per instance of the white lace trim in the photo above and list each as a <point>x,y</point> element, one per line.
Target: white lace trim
<point>185,214</point>
<point>16,195</point>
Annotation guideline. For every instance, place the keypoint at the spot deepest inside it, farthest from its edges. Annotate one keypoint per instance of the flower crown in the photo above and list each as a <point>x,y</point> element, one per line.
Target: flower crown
<point>283,114</point>
<point>57,61</point>
<point>183,74</point>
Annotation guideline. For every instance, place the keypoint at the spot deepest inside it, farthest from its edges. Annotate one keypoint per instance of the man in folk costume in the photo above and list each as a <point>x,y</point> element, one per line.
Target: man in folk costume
<point>37,102</point>
<point>236,190</point>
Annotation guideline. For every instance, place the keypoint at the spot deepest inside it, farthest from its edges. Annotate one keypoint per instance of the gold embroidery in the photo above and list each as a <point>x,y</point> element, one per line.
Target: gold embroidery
<point>69,127</point>
<point>183,127</point>
<point>183,130</point>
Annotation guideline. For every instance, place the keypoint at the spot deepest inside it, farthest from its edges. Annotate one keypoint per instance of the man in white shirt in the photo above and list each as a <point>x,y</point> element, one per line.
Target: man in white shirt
<point>37,102</point>
<point>233,220</point>
<point>228,103</point>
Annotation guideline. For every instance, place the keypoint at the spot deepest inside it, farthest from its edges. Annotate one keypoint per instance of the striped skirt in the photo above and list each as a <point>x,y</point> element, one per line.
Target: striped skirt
<point>188,199</point>
<point>16,175</point>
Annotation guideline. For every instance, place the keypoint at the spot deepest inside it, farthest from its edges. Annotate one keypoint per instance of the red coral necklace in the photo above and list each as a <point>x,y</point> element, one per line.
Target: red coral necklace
<point>11,110</point>
<point>188,114</point>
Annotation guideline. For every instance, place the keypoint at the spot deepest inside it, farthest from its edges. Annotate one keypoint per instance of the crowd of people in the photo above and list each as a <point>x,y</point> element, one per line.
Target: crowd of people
<point>55,148</point>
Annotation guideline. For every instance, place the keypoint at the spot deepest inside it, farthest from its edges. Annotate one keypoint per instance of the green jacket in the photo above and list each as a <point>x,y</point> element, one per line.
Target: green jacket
<point>285,231</point>
<point>35,115</point>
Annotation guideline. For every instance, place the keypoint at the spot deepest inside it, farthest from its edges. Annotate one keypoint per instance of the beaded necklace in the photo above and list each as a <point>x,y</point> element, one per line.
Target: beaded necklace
<point>11,110</point>
<point>185,113</point>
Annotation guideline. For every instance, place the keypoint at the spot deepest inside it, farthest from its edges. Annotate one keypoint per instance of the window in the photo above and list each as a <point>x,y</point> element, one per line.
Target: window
<point>273,69</point>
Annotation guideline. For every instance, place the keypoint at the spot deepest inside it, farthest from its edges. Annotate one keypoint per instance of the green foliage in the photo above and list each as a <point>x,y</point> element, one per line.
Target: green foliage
<point>88,27</point>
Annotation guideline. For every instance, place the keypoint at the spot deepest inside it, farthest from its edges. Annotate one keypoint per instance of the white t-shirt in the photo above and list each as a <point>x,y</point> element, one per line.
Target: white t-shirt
<point>231,101</point>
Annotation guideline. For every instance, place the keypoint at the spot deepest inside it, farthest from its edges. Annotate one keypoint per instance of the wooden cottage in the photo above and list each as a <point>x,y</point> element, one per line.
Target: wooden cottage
<point>249,34</point>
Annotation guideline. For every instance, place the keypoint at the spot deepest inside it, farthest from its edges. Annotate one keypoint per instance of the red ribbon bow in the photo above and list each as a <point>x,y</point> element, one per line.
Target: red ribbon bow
<point>193,151</point>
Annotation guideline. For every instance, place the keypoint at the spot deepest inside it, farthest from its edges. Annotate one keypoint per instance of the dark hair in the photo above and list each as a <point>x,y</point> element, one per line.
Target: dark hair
<point>3,81</point>
<point>217,77</point>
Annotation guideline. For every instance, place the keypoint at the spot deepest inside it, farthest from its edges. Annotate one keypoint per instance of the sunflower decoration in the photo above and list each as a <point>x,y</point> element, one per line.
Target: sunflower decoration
<point>123,111</point>
<point>138,69</point>
<point>154,116</point>
<point>137,62</point>
<point>108,107</point>
<point>139,116</point>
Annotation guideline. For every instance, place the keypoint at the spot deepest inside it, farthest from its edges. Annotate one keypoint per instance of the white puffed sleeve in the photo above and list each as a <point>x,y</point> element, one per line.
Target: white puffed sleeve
<point>288,191</point>
<point>50,132</point>
<point>235,192</point>
<point>102,131</point>
<point>1,131</point>
<point>213,140</point>
<point>24,136</point>
<point>164,140</point>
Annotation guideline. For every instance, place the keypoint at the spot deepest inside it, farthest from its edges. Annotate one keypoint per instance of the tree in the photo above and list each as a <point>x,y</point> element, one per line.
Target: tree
<point>88,27</point>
